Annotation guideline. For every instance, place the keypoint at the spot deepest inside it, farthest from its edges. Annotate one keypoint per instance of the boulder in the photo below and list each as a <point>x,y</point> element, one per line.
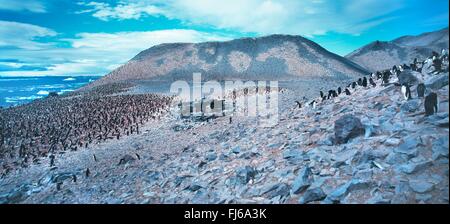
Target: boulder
<point>315,194</point>
<point>347,127</point>
<point>437,81</point>
<point>303,181</point>
<point>409,77</point>
<point>411,105</point>
<point>245,174</point>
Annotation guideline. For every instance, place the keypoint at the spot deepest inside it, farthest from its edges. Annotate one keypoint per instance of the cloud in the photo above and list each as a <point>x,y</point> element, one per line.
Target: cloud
<point>308,18</point>
<point>122,11</point>
<point>23,5</point>
<point>94,53</point>
<point>23,35</point>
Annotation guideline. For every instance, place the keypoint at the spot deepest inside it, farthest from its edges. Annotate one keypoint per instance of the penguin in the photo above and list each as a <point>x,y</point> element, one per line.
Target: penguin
<point>339,90</point>
<point>359,81</point>
<point>138,156</point>
<point>364,82</point>
<point>333,92</point>
<point>313,104</point>
<point>299,104</point>
<point>330,93</point>
<point>386,77</point>
<point>52,160</point>
<point>324,98</point>
<point>372,82</point>
<point>88,172</point>
<point>353,85</point>
<point>421,90</point>
<point>321,94</point>
<point>347,92</point>
<point>431,104</point>
<point>95,157</point>
<point>406,92</point>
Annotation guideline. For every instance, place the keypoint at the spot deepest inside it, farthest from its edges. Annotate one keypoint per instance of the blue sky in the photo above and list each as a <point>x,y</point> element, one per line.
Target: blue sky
<point>66,37</point>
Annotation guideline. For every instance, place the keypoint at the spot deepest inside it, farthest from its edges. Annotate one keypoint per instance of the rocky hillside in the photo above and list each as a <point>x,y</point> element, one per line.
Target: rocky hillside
<point>369,147</point>
<point>271,57</point>
<point>380,55</point>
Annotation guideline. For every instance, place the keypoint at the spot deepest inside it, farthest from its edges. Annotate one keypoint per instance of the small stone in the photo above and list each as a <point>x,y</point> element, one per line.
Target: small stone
<point>421,186</point>
<point>303,180</point>
<point>211,156</point>
<point>310,195</point>
<point>236,150</point>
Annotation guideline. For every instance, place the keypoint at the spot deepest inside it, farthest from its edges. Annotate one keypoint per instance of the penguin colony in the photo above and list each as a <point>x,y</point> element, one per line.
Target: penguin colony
<point>53,125</point>
<point>437,63</point>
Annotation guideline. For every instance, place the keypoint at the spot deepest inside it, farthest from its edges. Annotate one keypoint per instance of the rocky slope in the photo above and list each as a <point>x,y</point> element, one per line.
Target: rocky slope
<point>380,55</point>
<point>394,155</point>
<point>271,57</point>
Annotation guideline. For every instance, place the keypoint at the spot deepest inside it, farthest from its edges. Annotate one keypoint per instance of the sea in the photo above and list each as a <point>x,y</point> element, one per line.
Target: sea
<point>20,90</point>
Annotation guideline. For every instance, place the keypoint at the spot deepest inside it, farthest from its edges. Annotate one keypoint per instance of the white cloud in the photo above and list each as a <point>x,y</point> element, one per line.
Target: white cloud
<point>99,53</point>
<point>122,11</point>
<point>22,35</point>
<point>308,18</point>
<point>23,5</point>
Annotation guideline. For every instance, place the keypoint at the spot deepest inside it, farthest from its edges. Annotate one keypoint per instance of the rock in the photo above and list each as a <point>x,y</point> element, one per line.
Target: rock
<point>392,142</point>
<point>278,189</point>
<point>236,150</point>
<point>347,127</point>
<point>211,156</point>
<point>193,187</point>
<point>412,167</point>
<point>423,197</point>
<point>437,81</point>
<point>315,194</point>
<point>126,159</point>
<point>378,199</point>
<point>303,181</point>
<point>292,154</point>
<point>440,148</point>
<point>408,77</point>
<point>396,158</point>
<point>408,147</point>
<point>410,105</point>
<point>245,174</point>
<point>339,193</point>
<point>421,186</point>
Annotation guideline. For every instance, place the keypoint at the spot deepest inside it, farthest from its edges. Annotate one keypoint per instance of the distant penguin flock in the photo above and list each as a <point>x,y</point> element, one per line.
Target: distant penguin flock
<point>435,64</point>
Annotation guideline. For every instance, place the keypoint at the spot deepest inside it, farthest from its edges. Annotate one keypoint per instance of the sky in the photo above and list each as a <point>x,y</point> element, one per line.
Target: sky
<point>77,37</point>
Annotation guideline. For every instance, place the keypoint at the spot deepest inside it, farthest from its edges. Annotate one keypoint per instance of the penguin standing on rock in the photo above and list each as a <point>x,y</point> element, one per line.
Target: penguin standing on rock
<point>364,82</point>
<point>421,90</point>
<point>313,104</point>
<point>299,104</point>
<point>406,92</point>
<point>347,92</point>
<point>339,90</point>
<point>431,104</point>
<point>321,94</point>
<point>353,85</point>
<point>372,82</point>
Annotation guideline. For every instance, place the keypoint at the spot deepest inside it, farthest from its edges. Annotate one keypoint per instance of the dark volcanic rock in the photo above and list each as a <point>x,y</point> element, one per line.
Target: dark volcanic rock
<point>315,194</point>
<point>347,127</point>
<point>303,181</point>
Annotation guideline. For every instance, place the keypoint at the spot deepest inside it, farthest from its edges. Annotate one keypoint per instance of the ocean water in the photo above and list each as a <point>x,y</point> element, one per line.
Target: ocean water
<point>20,90</point>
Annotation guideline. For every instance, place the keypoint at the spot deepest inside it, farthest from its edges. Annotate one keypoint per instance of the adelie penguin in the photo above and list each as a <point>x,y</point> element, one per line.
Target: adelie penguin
<point>313,104</point>
<point>347,92</point>
<point>360,81</point>
<point>364,82</point>
<point>406,92</point>
<point>421,90</point>
<point>298,104</point>
<point>372,82</point>
<point>431,104</point>
<point>339,90</point>
<point>353,85</point>
<point>321,94</point>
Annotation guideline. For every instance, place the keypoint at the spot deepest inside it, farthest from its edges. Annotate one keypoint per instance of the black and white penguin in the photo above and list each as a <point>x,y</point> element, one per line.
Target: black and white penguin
<point>321,94</point>
<point>364,82</point>
<point>406,92</point>
<point>360,81</point>
<point>353,85</point>
<point>339,90</point>
<point>299,104</point>
<point>324,98</point>
<point>313,104</point>
<point>347,92</point>
<point>372,82</point>
<point>431,104</point>
<point>386,76</point>
<point>421,90</point>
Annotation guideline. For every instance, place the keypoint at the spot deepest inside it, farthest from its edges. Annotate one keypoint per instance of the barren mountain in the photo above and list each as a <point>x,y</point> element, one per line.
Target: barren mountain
<point>270,57</point>
<point>380,55</point>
